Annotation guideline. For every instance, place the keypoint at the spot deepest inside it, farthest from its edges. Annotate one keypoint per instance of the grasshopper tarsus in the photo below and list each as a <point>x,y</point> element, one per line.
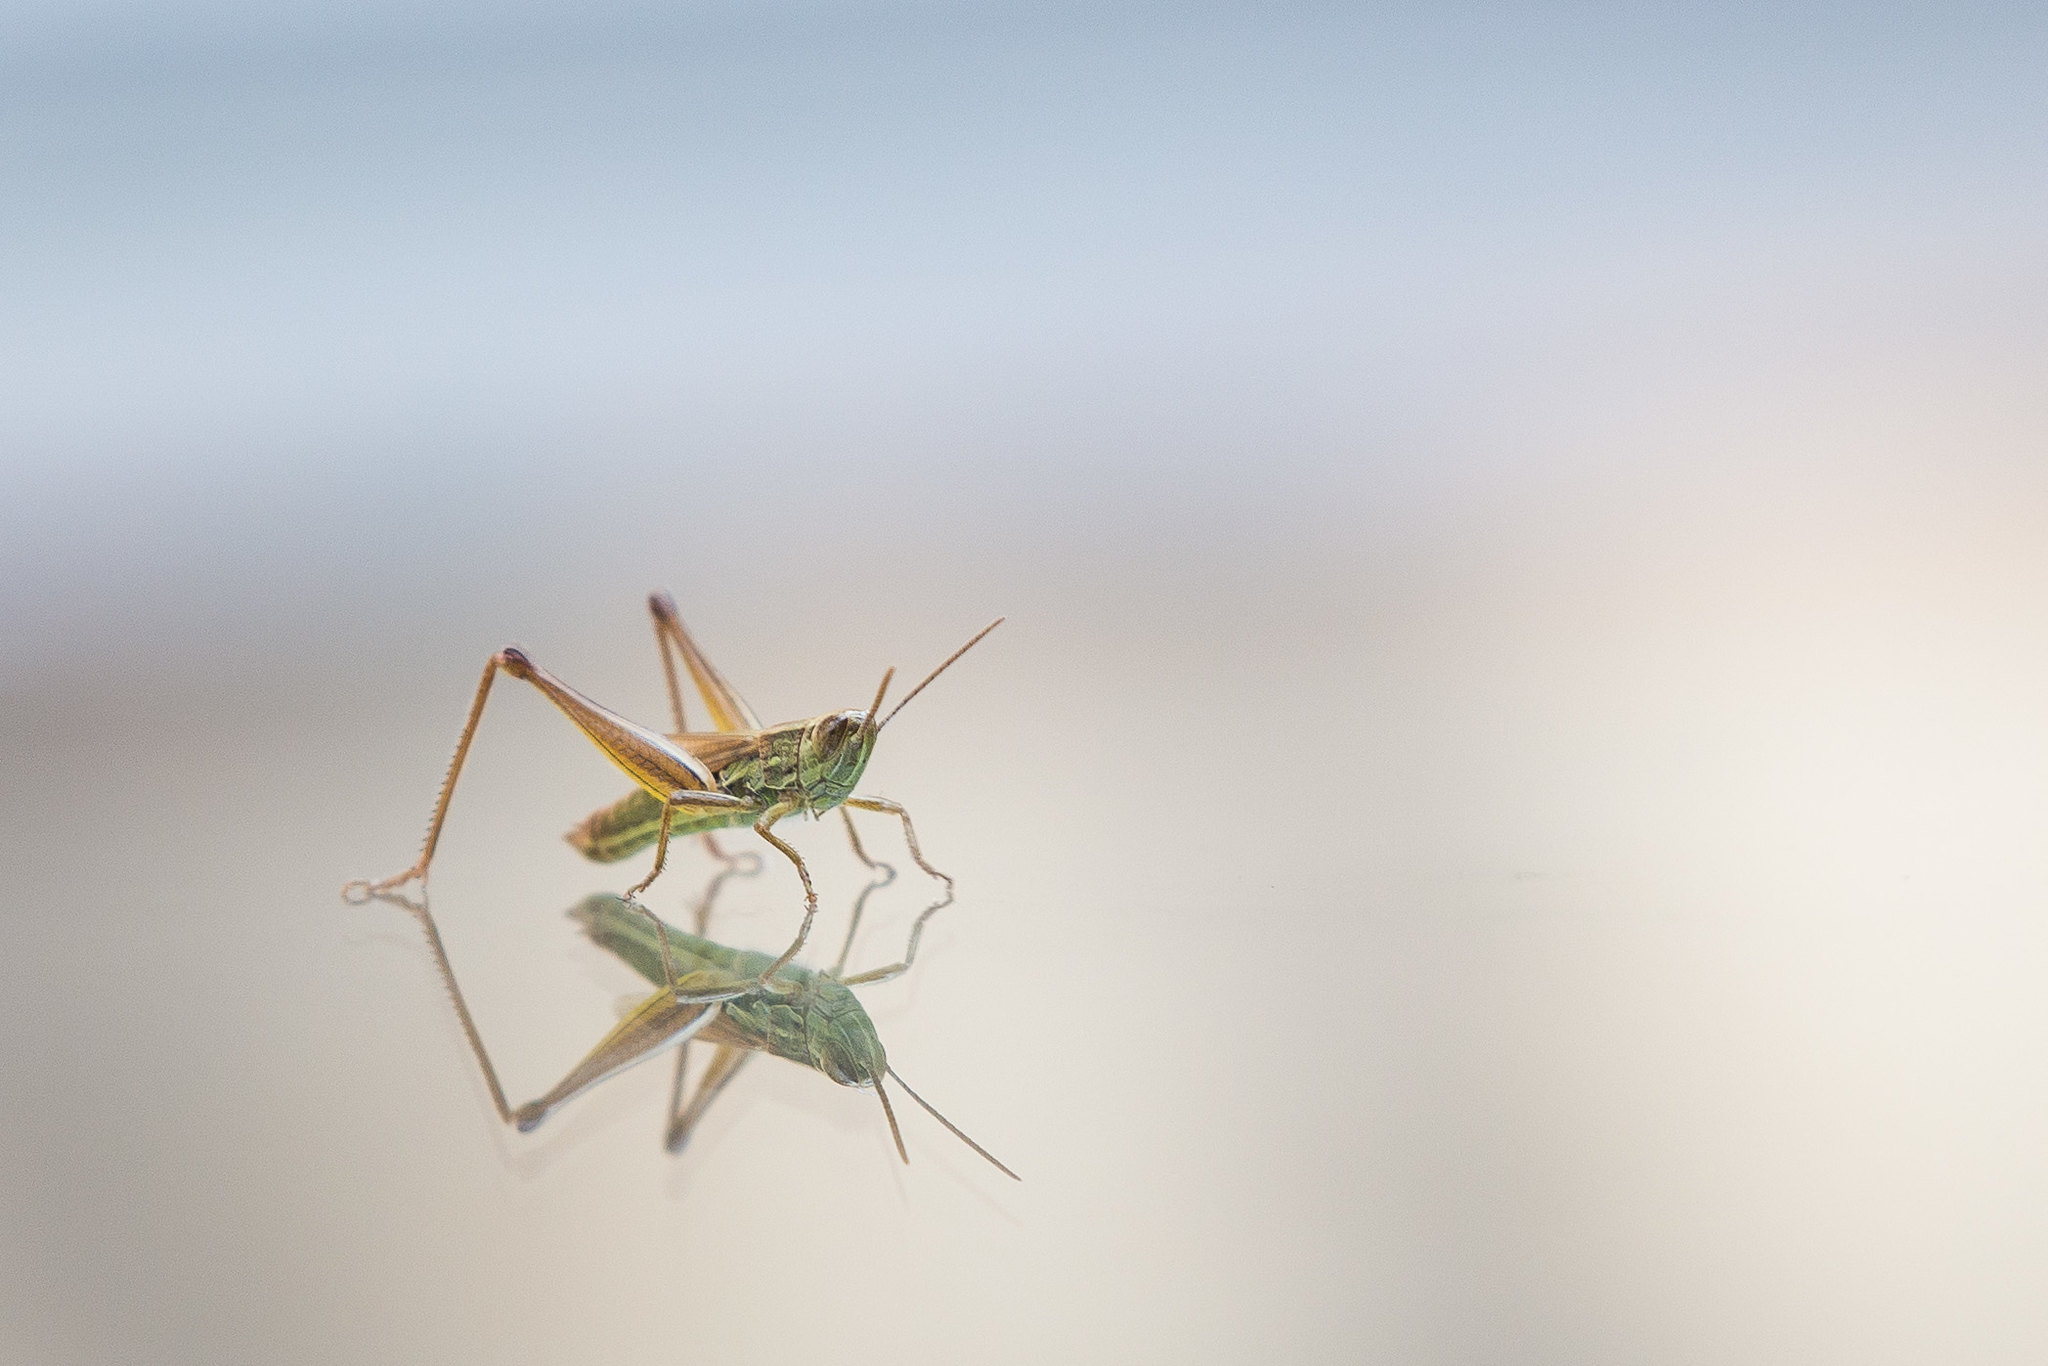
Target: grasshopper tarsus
<point>360,891</point>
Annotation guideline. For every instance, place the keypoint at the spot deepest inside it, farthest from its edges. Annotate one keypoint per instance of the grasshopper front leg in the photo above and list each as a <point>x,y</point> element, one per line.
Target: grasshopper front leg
<point>880,876</point>
<point>897,969</point>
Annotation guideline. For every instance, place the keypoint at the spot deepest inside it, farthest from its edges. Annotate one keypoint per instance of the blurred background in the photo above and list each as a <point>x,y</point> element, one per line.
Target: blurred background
<point>1504,825</point>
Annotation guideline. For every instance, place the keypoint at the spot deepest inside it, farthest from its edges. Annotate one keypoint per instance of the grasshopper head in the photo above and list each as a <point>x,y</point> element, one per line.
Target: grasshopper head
<point>834,753</point>
<point>834,750</point>
<point>842,1039</point>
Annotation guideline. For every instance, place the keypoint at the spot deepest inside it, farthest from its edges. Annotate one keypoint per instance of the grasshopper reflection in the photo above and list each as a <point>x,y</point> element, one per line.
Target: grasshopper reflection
<point>813,1019</point>
<point>742,773</point>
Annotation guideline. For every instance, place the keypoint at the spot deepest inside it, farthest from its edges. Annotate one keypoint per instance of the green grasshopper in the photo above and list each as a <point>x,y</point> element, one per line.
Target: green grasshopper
<point>814,1020</point>
<point>742,773</point>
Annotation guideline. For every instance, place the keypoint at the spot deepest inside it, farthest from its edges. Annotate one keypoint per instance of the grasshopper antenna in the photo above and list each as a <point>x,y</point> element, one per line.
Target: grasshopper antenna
<point>920,688</point>
<point>894,1132</point>
<point>957,1133</point>
<point>876,709</point>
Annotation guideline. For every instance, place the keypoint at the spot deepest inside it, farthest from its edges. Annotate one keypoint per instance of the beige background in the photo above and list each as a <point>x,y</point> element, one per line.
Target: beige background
<point>1504,826</point>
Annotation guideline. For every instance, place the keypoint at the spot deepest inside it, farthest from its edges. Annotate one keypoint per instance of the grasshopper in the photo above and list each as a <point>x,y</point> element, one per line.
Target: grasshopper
<point>814,1020</point>
<point>742,773</point>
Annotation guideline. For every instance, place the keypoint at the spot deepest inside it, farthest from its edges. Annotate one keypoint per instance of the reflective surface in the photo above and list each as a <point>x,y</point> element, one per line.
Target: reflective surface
<point>1504,824</point>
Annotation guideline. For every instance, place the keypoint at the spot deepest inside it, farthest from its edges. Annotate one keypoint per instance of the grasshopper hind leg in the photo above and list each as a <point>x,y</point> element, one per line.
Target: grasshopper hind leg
<point>418,910</point>
<point>726,1063</point>
<point>361,890</point>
